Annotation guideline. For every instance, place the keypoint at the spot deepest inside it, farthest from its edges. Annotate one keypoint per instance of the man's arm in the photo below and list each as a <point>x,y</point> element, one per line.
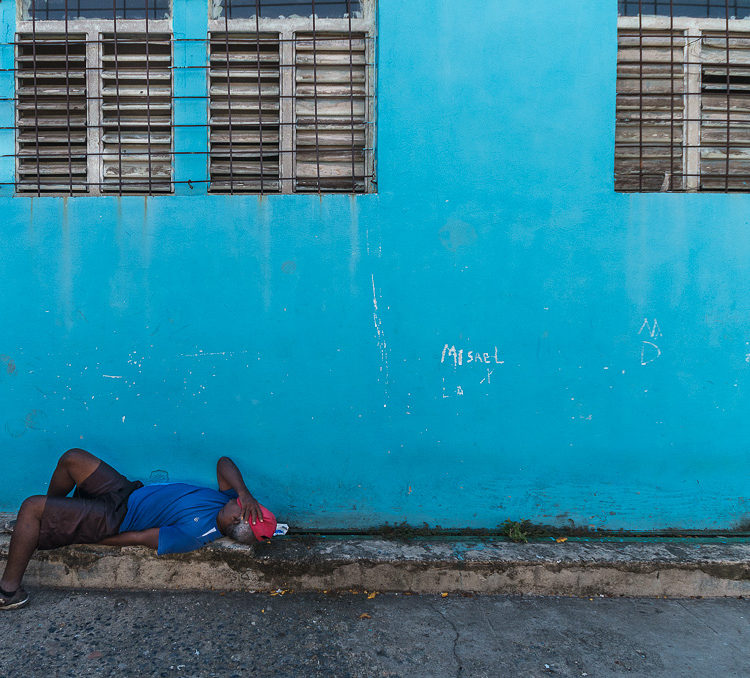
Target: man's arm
<point>148,537</point>
<point>229,477</point>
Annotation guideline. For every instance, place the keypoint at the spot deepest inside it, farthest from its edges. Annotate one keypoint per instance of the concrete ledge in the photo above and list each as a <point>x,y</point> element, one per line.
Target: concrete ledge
<point>419,566</point>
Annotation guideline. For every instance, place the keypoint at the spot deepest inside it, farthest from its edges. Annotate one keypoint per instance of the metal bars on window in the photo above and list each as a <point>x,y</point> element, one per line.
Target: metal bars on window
<point>290,100</point>
<point>274,9</point>
<point>72,10</point>
<point>51,114</point>
<point>93,109</point>
<point>683,97</point>
<point>700,9</point>
<point>649,153</point>
<point>136,113</point>
<point>245,103</point>
<point>330,112</point>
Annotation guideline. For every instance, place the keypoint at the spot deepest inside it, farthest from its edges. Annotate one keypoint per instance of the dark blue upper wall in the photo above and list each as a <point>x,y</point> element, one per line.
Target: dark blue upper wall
<point>304,336</point>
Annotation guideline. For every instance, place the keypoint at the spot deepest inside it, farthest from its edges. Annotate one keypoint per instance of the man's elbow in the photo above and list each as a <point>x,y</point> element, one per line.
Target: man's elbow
<point>150,538</point>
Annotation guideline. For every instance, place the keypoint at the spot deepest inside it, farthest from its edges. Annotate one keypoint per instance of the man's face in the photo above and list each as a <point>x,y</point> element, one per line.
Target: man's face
<point>230,514</point>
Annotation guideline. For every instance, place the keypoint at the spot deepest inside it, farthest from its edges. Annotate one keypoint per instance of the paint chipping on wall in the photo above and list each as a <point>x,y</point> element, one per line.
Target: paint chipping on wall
<point>384,376</point>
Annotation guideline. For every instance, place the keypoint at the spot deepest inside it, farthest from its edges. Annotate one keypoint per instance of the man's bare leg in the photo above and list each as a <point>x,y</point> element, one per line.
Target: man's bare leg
<point>23,543</point>
<point>72,469</point>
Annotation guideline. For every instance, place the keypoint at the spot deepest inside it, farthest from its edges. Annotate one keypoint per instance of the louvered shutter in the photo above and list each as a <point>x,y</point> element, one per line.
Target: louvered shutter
<point>245,106</point>
<point>51,113</point>
<point>136,114</point>
<point>725,114</point>
<point>330,112</point>
<point>649,147</point>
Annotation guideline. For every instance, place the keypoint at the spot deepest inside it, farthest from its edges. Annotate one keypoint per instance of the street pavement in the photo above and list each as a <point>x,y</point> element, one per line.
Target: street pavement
<point>233,635</point>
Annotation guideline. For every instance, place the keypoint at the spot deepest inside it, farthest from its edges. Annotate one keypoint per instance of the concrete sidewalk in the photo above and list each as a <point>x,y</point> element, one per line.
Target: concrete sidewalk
<point>425,565</point>
<point>233,635</point>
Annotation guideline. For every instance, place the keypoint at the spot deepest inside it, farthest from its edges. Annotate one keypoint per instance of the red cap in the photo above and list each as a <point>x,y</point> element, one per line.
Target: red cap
<point>264,530</point>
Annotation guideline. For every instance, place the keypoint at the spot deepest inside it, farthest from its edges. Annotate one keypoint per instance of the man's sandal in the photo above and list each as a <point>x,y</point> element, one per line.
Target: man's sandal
<point>18,599</point>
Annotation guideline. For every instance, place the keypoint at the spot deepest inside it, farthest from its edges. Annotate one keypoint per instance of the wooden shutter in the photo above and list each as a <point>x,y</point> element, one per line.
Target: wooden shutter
<point>51,114</point>
<point>244,120</point>
<point>649,147</point>
<point>136,113</point>
<point>725,112</point>
<point>330,112</point>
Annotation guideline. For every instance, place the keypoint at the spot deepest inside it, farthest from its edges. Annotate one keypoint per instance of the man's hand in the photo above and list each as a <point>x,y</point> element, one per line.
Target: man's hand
<point>250,508</point>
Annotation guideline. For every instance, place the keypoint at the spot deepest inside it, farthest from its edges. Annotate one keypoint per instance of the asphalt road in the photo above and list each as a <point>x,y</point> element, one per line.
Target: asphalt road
<point>76,633</point>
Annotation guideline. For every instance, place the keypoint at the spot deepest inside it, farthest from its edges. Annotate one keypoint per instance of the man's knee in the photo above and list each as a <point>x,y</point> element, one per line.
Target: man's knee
<point>72,455</point>
<point>32,506</point>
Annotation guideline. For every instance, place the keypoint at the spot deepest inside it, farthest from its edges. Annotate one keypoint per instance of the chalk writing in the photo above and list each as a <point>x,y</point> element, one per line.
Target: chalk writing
<point>652,330</point>
<point>459,391</point>
<point>650,351</point>
<point>463,358</point>
<point>450,352</point>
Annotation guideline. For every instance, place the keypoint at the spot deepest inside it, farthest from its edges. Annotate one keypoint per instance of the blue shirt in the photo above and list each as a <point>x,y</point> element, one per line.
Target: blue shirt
<point>185,514</point>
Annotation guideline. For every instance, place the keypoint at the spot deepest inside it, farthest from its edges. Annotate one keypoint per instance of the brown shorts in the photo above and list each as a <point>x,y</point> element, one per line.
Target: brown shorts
<point>94,512</point>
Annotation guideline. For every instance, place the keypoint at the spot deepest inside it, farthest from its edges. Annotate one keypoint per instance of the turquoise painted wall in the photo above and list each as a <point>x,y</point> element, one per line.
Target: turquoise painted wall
<point>304,336</point>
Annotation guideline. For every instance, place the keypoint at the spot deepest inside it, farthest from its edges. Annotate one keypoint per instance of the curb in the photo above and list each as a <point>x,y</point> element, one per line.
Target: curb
<point>417,566</point>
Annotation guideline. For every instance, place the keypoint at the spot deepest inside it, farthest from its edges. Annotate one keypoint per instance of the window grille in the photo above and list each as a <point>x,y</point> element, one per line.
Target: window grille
<point>650,110</point>
<point>700,9</point>
<point>277,9</point>
<point>136,113</point>
<point>93,97</point>
<point>292,96</point>
<point>51,113</point>
<point>73,10</point>
<point>683,96</point>
<point>290,100</point>
<point>245,107</point>
<point>725,111</point>
<point>330,112</point>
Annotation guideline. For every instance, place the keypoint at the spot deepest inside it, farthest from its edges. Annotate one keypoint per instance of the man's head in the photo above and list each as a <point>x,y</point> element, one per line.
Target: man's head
<point>242,532</point>
<point>229,521</point>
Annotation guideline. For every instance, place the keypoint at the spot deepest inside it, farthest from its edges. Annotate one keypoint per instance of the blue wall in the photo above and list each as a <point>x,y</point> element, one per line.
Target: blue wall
<point>304,336</point>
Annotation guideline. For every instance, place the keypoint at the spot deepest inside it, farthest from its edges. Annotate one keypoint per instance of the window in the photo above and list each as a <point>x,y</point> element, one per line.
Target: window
<point>245,119</point>
<point>700,9</point>
<point>94,98</point>
<point>683,96</point>
<point>72,10</point>
<point>292,101</point>
<point>136,113</point>
<point>52,149</point>
<point>277,97</point>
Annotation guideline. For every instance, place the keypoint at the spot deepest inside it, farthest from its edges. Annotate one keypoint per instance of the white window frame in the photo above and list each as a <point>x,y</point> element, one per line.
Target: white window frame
<point>693,28</point>
<point>286,29</point>
<point>94,29</point>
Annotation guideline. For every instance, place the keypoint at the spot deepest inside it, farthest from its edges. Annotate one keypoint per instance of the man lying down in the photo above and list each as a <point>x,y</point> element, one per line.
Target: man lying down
<point>107,508</point>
